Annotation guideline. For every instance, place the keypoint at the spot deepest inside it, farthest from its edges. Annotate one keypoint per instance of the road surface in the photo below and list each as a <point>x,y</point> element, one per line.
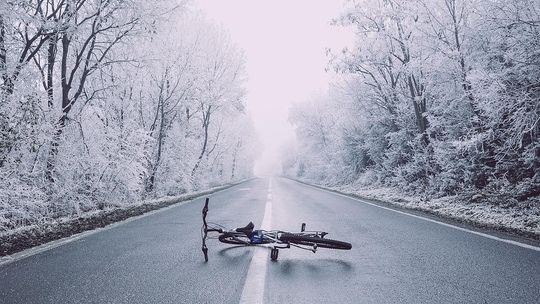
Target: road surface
<point>395,258</point>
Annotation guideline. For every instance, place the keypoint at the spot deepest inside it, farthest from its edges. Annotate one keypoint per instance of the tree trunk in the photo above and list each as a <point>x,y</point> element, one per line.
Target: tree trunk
<point>419,104</point>
<point>3,54</point>
<point>465,83</point>
<point>51,58</point>
<point>66,107</point>
<point>151,180</point>
<point>206,124</point>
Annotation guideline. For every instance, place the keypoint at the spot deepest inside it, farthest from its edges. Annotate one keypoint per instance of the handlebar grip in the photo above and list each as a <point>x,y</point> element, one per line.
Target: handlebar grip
<point>204,212</point>
<point>205,208</point>
<point>205,251</point>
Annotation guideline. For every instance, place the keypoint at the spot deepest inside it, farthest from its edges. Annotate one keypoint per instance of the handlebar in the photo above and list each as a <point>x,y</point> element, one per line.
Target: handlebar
<point>205,212</point>
<point>206,230</point>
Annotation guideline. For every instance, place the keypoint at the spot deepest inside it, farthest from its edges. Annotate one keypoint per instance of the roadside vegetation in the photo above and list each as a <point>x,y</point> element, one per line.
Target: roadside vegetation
<point>437,106</point>
<point>108,103</point>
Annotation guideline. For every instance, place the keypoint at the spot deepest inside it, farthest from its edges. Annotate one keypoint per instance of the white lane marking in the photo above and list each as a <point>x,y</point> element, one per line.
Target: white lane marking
<point>53,244</point>
<point>244,189</point>
<point>253,291</point>
<point>523,245</point>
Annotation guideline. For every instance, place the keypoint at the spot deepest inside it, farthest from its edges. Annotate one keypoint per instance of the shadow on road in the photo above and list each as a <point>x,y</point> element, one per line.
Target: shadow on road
<point>288,267</point>
<point>234,258</point>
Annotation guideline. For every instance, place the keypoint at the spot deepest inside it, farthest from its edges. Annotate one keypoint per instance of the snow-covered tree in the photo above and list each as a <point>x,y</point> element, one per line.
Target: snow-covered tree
<point>110,102</point>
<point>436,97</point>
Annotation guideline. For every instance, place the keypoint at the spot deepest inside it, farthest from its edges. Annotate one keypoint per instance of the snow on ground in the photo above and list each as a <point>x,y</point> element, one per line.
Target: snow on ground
<point>479,209</point>
<point>15,240</point>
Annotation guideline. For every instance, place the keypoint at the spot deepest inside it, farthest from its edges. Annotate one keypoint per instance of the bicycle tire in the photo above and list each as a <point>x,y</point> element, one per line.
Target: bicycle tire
<point>238,238</point>
<point>234,238</point>
<point>311,240</point>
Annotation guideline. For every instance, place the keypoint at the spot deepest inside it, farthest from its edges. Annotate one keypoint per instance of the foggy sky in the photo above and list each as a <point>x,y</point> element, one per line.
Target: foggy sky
<point>284,44</point>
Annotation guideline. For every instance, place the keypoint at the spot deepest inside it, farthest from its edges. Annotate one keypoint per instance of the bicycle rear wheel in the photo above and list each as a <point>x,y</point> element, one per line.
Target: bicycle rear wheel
<point>312,240</point>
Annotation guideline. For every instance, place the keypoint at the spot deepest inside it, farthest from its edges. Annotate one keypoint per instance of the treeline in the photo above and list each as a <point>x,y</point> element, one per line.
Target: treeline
<point>436,98</point>
<point>108,102</point>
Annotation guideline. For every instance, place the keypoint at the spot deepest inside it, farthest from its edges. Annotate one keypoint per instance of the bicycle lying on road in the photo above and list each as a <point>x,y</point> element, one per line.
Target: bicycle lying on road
<point>273,239</point>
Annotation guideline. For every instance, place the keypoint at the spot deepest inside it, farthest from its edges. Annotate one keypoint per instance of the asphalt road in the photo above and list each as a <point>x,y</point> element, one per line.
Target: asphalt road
<point>395,258</point>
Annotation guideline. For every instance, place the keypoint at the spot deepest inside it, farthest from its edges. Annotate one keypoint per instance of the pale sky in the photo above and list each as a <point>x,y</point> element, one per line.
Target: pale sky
<point>284,42</point>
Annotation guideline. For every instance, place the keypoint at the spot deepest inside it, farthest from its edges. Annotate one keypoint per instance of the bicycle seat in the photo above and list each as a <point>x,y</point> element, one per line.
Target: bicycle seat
<point>247,230</point>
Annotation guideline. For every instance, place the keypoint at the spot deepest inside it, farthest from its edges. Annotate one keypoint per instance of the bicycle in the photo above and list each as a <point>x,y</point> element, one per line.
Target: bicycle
<point>273,239</point>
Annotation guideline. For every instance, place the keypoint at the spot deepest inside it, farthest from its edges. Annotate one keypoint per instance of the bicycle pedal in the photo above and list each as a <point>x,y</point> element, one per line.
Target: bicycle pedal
<point>274,254</point>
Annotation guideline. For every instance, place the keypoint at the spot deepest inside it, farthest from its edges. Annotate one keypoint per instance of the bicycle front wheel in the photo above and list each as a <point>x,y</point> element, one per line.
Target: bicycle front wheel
<point>234,238</point>
<point>313,240</point>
